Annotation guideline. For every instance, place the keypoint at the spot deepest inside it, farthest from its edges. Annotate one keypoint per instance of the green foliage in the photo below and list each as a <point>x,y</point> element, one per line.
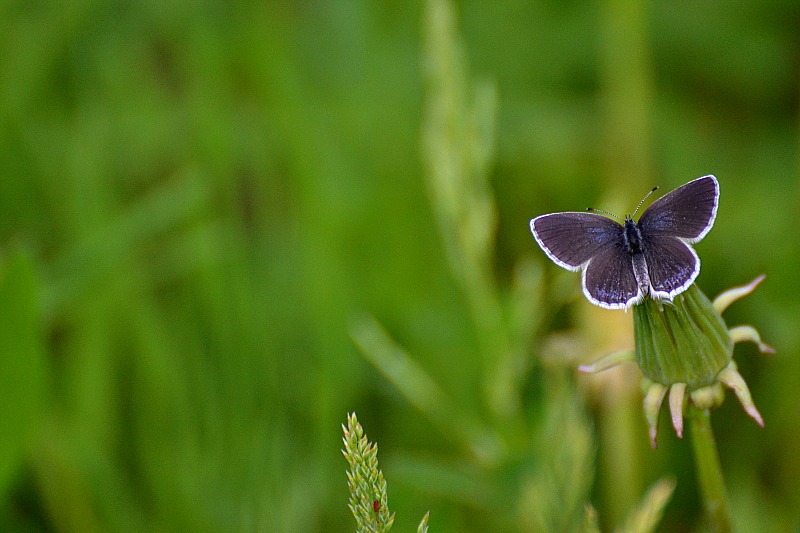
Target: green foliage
<point>645,518</point>
<point>25,377</point>
<point>369,502</point>
<point>216,198</point>
<point>554,487</point>
<point>554,497</point>
<point>423,525</point>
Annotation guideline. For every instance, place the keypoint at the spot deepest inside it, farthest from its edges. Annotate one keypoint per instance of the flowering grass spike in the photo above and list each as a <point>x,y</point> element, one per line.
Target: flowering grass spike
<point>368,498</point>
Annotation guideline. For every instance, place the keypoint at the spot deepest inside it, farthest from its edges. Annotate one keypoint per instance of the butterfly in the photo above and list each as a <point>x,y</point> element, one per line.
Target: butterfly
<point>622,264</point>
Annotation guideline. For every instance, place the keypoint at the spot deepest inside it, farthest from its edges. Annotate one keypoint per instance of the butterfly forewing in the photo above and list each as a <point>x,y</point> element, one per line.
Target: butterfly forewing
<point>672,266</point>
<point>571,239</point>
<point>688,212</point>
<point>609,281</point>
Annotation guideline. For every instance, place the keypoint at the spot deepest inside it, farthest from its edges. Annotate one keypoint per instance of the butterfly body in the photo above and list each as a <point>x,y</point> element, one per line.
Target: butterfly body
<point>632,237</point>
<point>622,264</point>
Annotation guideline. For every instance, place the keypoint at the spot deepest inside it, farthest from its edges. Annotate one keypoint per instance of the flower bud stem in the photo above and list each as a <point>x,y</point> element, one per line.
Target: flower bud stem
<point>709,471</point>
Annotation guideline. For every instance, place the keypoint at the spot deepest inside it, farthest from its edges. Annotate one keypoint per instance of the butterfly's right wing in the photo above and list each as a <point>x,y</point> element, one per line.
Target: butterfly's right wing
<point>571,239</point>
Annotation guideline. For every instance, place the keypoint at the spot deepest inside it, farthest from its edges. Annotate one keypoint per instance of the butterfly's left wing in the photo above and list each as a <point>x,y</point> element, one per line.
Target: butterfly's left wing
<point>572,239</point>
<point>687,213</point>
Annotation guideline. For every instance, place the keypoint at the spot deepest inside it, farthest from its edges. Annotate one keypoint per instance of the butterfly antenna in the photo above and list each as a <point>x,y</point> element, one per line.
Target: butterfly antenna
<point>646,196</point>
<point>593,210</point>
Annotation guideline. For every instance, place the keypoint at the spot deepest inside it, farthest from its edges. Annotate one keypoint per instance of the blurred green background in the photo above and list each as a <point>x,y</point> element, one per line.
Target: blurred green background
<point>201,202</point>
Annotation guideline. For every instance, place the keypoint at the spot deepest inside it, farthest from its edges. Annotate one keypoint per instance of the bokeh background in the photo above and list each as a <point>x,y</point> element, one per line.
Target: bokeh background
<point>226,225</point>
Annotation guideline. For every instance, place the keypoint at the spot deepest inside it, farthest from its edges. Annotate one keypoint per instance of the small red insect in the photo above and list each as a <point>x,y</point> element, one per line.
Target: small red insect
<point>376,505</point>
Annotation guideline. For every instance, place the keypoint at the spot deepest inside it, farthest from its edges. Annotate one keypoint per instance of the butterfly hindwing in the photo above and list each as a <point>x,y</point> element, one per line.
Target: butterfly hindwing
<point>609,280</point>
<point>672,266</point>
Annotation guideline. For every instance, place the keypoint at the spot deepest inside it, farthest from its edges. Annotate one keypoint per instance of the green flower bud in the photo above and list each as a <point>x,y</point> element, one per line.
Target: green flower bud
<point>685,341</point>
<point>684,349</point>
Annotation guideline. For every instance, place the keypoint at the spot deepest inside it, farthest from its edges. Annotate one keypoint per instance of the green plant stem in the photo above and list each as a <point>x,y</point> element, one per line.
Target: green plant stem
<point>709,471</point>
